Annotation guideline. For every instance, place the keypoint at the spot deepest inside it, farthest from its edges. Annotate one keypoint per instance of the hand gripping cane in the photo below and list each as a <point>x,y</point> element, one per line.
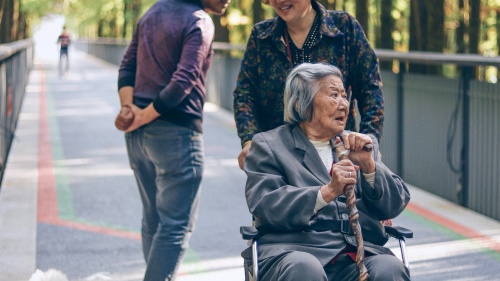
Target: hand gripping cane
<point>343,153</point>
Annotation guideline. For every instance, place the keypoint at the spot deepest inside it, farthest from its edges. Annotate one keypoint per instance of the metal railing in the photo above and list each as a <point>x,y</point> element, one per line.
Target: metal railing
<point>440,134</point>
<point>447,129</point>
<point>16,61</point>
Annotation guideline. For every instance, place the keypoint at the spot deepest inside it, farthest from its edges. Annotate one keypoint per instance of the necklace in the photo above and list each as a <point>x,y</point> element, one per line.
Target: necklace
<point>296,55</point>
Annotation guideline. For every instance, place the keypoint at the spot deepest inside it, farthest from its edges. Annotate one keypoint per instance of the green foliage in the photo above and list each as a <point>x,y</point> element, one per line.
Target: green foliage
<point>94,18</point>
<point>240,22</point>
<point>37,9</point>
<point>401,16</point>
<point>32,11</point>
<point>116,18</point>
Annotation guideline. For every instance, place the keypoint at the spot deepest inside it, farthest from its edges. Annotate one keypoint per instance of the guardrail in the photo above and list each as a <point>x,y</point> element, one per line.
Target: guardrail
<point>16,61</point>
<point>477,100</point>
<point>440,134</point>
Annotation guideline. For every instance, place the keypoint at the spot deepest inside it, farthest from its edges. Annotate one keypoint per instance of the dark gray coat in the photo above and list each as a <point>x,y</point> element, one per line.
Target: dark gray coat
<point>285,174</point>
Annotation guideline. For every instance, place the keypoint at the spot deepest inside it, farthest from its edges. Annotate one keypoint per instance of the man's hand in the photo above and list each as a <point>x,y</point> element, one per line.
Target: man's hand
<point>141,116</point>
<point>243,154</point>
<point>124,118</point>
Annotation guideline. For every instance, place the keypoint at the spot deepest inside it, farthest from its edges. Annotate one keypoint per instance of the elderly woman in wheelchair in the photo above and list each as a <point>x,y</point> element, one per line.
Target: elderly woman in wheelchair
<point>295,182</point>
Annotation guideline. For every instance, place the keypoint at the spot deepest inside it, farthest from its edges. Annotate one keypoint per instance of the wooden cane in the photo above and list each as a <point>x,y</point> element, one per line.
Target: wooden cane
<point>343,153</point>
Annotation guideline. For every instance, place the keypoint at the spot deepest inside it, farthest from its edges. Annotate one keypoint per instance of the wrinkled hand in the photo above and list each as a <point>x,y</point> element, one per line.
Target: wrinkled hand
<point>343,173</point>
<point>124,118</point>
<point>355,142</point>
<point>243,154</point>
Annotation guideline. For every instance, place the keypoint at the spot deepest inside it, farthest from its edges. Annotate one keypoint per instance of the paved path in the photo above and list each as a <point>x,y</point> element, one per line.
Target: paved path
<point>69,201</point>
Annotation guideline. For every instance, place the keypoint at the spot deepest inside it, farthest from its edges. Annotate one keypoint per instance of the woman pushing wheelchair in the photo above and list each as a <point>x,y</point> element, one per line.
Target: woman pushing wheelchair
<point>295,184</point>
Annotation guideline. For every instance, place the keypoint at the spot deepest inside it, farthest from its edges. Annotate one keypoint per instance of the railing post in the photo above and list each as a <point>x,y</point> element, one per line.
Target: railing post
<point>13,80</point>
<point>400,114</point>
<point>466,76</point>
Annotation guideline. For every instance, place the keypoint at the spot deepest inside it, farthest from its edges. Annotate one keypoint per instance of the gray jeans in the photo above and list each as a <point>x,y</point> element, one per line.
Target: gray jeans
<point>167,161</point>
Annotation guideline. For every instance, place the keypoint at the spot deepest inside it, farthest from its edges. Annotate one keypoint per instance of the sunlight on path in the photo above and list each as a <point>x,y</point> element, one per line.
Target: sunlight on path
<point>45,36</point>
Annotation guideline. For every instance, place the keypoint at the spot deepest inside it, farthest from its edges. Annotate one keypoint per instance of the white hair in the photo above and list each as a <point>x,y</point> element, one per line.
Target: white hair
<point>301,86</point>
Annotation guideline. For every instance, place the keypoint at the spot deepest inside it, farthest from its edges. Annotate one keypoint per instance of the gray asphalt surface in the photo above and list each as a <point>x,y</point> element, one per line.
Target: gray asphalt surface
<point>93,165</point>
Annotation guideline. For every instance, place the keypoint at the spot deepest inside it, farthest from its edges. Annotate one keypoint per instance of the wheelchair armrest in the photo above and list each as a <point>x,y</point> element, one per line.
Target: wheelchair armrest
<point>398,232</point>
<point>249,232</point>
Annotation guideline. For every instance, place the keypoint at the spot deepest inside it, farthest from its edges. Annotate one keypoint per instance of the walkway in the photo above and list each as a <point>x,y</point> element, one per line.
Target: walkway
<point>69,201</point>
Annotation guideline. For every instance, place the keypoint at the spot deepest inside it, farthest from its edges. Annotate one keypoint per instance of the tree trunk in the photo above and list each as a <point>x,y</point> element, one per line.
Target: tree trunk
<point>100,28</point>
<point>15,21</point>
<point>362,14</point>
<point>7,21</point>
<point>474,29</point>
<point>427,31</point>
<point>19,31</point>
<point>498,38</point>
<point>127,7</point>
<point>417,33</point>
<point>435,26</point>
<point>386,29</point>
<point>462,28</point>
<point>23,26</point>
<point>498,31</point>
<point>221,32</point>
<point>258,11</point>
<point>435,31</point>
<point>474,26</point>
<point>136,12</point>
<point>2,9</point>
<point>113,27</point>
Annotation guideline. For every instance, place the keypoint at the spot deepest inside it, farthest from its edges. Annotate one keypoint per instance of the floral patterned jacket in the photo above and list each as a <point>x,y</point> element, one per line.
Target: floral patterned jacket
<point>258,97</point>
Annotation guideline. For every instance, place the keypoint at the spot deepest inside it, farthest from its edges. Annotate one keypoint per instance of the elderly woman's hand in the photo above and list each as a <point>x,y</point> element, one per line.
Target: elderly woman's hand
<point>355,142</point>
<point>343,173</point>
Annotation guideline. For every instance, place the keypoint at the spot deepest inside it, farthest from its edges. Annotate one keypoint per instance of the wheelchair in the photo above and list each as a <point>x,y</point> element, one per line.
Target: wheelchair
<point>252,234</point>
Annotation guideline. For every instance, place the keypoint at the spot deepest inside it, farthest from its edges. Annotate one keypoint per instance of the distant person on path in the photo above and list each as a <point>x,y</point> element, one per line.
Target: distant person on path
<point>304,31</point>
<point>64,41</point>
<point>161,84</point>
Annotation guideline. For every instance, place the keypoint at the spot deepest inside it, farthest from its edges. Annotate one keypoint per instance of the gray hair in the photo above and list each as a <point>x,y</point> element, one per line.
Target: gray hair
<point>301,87</point>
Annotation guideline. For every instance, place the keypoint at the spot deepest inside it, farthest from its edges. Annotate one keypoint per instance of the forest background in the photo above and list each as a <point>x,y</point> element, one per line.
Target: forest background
<point>442,26</point>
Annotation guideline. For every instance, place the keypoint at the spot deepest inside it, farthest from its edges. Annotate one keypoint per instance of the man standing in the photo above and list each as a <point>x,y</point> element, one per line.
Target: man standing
<point>63,41</point>
<point>161,85</point>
